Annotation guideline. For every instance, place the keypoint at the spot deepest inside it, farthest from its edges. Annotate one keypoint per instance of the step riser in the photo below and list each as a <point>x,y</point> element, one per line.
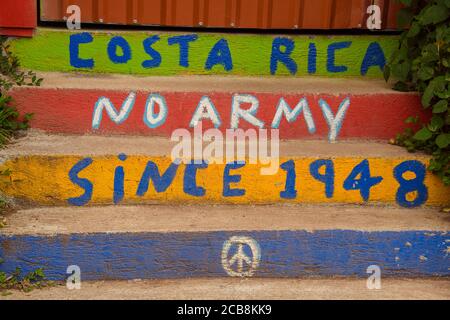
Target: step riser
<point>253,55</point>
<point>61,180</point>
<point>71,111</point>
<point>208,254</point>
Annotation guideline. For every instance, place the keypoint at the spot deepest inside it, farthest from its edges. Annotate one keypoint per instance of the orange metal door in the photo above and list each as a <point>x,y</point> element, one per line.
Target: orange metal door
<point>260,14</point>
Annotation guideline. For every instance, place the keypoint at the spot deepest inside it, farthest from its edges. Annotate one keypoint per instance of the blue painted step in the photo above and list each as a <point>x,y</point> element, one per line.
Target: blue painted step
<point>132,255</point>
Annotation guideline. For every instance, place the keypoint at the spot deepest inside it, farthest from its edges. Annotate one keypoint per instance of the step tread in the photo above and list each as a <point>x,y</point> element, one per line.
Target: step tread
<point>207,218</point>
<point>212,83</point>
<point>261,289</point>
<point>38,143</point>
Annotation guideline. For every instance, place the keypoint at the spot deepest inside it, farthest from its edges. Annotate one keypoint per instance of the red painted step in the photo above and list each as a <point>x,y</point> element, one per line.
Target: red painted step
<point>66,104</point>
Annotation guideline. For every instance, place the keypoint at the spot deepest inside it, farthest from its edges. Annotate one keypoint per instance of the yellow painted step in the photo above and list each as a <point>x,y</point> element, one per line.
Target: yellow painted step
<point>73,170</point>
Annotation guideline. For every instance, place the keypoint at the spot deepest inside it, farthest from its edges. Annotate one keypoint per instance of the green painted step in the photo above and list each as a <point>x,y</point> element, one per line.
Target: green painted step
<point>165,53</point>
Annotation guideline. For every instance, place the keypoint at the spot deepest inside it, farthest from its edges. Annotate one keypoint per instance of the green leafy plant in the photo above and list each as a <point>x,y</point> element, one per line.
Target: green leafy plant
<point>422,63</point>
<point>33,280</point>
<point>10,75</point>
<point>10,123</point>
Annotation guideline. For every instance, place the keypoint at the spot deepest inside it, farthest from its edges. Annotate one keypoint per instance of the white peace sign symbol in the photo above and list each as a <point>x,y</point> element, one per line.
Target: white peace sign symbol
<point>239,258</point>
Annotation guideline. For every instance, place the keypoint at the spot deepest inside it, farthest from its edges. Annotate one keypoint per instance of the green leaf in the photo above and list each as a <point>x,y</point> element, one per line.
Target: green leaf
<point>414,30</point>
<point>407,2</point>
<point>423,134</point>
<point>440,106</point>
<point>443,140</point>
<point>412,119</point>
<point>428,95</point>
<point>436,123</point>
<point>439,83</point>
<point>425,73</point>
<point>28,116</point>
<point>401,86</point>
<point>430,53</point>
<point>401,70</point>
<point>404,17</point>
<point>434,87</point>
<point>434,14</point>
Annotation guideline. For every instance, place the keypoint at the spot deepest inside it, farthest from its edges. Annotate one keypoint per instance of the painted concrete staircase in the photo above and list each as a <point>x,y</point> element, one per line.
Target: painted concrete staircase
<point>343,199</point>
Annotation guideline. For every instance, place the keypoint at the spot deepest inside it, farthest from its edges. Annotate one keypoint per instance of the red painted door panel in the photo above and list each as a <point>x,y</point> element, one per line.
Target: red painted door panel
<point>18,17</point>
